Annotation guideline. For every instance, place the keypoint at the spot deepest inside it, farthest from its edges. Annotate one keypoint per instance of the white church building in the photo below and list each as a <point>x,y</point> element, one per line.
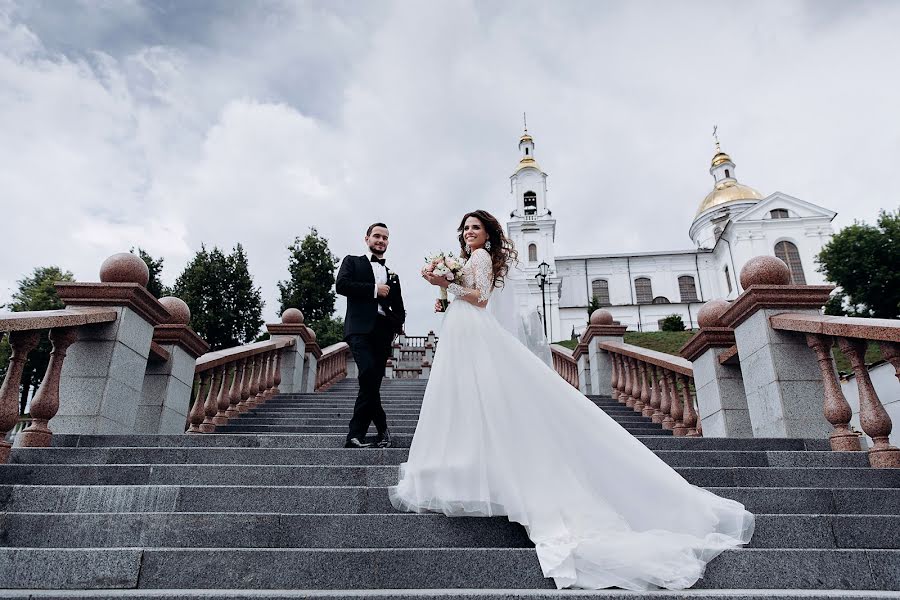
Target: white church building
<point>733,224</point>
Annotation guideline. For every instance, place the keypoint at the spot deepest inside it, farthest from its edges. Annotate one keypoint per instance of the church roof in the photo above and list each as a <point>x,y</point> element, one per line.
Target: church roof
<point>727,191</point>
<point>720,158</point>
<point>527,162</point>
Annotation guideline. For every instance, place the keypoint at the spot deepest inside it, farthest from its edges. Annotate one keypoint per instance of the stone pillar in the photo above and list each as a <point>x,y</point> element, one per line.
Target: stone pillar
<point>352,369</point>
<point>168,381</point>
<point>584,368</point>
<point>103,376</point>
<point>721,400</point>
<point>292,357</point>
<point>601,329</point>
<point>782,381</point>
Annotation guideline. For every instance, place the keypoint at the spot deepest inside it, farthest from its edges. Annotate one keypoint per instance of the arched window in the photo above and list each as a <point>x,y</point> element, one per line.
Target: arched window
<point>687,289</point>
<point>727,174</point>
<point>530,203</point>
<point>643,290</point>
<point>788,252</point>
<point>779,213</point>
<point>600,291</point>
<point>532,252</point>
<point>526,151</point>
<point>661,300</point>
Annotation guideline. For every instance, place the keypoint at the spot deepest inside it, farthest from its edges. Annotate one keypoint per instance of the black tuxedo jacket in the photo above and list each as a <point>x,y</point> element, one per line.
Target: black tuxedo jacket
<point>356,281</point>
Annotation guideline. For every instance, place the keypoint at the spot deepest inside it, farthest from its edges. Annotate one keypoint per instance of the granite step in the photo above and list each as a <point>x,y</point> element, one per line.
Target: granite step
<point>377,475</point>
<point>241,427</point>
<point>256,529</point>
<point>394,456</point>
<point>371,500</point>
<point>405,568</point>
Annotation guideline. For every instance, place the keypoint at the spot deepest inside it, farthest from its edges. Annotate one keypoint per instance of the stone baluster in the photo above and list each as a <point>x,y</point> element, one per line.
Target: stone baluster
<point>246,382</point>
<point>276,381</point>
<point>614,380</point>
<point>690,414</point>
<point>234,392</point>
<point>270,376</point>
<point>676,408</point>
<point>260,391</point>
<point>46,401</point>
<point>836,408</point>
<point>622,396</point>
<point>874,420</point>
<point>641,391</point>
<point>656,416</point>
<point>665,400</point>
<point>891,353</point>
<point>625,398</point>
<point>646,393</point>
<point>21,342</point>
<point>222,401</point>
<point>198,410</point>
<point>635,383</point>
<point>210,405</point>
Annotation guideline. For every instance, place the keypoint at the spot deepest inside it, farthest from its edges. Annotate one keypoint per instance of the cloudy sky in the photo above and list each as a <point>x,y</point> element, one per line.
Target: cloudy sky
<point>169,124</point>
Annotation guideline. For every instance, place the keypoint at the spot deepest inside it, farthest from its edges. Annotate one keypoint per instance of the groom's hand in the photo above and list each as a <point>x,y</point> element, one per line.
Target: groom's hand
<point>383,291</point>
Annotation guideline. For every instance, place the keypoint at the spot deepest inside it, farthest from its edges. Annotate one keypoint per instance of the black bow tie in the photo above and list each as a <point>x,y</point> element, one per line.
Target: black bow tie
<point>375,259</point>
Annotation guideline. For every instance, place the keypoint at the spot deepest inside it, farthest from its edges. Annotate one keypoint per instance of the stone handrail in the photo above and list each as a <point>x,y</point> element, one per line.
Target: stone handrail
<point>332,365</point>
<point>230,382</point>
<point>24,334</point>
<point>655,384</point>
<point>852,335</point>
<point>565,364</point>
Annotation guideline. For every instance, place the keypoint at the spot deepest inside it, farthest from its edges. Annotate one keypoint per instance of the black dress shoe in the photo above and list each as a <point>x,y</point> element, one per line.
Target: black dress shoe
<point>384,439</point>
<point>356,443</point>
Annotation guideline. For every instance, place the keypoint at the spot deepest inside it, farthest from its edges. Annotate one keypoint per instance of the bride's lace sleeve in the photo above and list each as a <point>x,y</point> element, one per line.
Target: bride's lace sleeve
<point>482,272</point>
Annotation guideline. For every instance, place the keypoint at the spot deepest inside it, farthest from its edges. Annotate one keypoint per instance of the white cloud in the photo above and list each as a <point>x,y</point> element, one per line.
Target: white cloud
<point>168,127</point>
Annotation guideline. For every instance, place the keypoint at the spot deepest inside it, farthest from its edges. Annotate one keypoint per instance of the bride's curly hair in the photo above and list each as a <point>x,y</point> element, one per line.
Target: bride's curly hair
<point>503,253</point>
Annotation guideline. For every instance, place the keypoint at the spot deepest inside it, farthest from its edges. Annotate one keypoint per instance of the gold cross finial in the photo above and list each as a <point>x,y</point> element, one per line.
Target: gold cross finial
<point>525,121</point>
<point>716,137</point>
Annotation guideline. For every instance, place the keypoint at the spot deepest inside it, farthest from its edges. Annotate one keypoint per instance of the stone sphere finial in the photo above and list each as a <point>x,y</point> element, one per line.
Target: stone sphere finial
<point>312,334</point>
<point>710,314</point>
<point>765,270</point>
<point>124,267</point>
<point>178,308</point>
<point>601,317</point>
<point>292,316</point>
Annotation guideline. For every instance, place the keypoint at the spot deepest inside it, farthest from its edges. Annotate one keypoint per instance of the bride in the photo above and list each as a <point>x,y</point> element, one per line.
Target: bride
<point>500,433</point>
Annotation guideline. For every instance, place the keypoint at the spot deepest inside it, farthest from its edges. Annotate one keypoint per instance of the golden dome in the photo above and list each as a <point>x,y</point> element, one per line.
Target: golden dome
<point>526,162</point>
<point>720,158</point>
<point>727,191</point>
<point>525,138</point>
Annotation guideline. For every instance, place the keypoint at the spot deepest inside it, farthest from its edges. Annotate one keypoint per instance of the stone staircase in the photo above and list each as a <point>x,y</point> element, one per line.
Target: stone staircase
<point>271,506</point>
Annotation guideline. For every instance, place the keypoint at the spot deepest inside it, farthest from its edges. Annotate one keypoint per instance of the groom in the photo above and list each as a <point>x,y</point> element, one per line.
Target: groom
<point>375,315</point>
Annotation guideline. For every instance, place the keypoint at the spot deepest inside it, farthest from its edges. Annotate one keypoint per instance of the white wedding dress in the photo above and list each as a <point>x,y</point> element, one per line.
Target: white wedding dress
<point>501,433</point>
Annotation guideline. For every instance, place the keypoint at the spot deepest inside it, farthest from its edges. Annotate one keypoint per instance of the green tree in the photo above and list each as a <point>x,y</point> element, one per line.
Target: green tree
<point>34,293</point>
<point>226,308</point>
<point>328,331</point>
<point>311,285</point>
<point>155,265</point>
<point>672,323</point>
<point>862,259</point>
<point>592,306</point>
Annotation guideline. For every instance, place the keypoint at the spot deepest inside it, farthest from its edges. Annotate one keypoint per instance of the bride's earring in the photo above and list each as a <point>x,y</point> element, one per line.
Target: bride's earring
<point>468,249</point>
<point>487,245</point>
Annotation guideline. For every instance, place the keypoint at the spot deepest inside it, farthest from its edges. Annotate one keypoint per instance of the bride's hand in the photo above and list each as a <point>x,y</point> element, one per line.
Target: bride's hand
<point>437,280</point>
<point>438,307</point>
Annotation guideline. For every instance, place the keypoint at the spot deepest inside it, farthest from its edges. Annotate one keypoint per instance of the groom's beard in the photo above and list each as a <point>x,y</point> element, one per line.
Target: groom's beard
<point>376,252</point>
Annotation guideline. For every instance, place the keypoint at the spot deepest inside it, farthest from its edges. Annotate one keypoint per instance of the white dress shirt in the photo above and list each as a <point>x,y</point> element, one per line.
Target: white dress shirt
<point>380,272</point>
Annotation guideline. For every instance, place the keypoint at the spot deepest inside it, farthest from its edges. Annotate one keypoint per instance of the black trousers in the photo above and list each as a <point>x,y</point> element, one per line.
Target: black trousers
<point>371,351</point>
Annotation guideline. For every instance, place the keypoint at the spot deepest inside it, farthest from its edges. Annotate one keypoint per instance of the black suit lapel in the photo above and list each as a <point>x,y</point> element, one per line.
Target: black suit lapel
<point>367,269</point>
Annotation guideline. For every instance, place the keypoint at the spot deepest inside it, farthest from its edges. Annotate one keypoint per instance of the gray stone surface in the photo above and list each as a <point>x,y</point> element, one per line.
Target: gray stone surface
<point>57,568</point>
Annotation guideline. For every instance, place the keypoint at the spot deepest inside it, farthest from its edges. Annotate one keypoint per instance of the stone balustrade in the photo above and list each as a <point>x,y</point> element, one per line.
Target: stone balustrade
<point>852,335</point>
<point>565,364</point>
<point>654,384</point>
<point>232,381</point>
<point>332,365</point>
<point>24,329</point>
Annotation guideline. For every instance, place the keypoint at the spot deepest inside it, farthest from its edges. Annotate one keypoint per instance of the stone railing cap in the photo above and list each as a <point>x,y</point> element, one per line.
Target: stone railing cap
<point>603,330</point>
<point>50,319</point>
<point>706,338</point>
<point>182,336</point>
<point>211,360</point>
<point>758,297</point>
<point>130,295</point>
<point>882,330</point>
<point>285,328</point>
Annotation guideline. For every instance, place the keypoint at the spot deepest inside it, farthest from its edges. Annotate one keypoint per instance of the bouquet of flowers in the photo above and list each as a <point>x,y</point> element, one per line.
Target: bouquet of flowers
<point>446,265</point>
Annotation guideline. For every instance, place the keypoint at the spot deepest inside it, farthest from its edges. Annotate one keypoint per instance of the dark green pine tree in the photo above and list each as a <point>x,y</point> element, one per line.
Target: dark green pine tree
<point>226,308</point>
<point>34,293</point>
<point>862,259</point>
<point>310,287</point>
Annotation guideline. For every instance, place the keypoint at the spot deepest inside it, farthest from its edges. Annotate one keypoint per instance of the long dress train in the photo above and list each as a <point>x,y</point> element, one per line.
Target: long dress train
<point>501,433</point>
